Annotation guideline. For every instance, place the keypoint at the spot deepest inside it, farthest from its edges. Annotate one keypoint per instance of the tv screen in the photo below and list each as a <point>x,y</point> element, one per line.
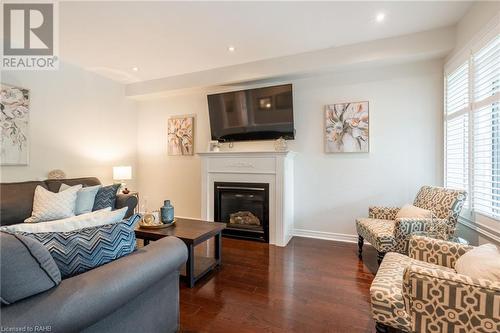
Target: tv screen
<point>253,114</point>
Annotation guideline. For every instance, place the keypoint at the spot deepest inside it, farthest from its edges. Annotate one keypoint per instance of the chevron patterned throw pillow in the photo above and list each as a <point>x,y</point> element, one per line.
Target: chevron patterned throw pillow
<point>78,251</point>
<point>106,197</point>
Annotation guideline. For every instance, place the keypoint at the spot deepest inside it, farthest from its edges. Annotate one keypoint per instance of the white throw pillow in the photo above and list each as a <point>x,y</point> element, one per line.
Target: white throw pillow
<point>410,211</point>
<point>482,262</point>
<point>49,206</point>
<point>84,199</point>
<point>93,219</point>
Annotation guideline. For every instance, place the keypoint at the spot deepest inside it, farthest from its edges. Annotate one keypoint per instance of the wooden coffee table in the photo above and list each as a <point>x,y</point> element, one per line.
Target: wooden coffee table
<point>191,232</point>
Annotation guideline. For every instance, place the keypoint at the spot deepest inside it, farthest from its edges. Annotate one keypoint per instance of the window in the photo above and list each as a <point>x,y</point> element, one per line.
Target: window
<point>472,129</point>
<point>457,128</point>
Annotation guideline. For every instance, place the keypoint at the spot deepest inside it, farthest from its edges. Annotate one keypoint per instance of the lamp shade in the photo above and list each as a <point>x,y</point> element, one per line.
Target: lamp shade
<point>122,172</point>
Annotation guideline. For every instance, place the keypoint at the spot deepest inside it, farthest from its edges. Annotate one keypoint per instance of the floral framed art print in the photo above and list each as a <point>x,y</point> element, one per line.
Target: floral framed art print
<point>347,128</point>
<point>14,125</point>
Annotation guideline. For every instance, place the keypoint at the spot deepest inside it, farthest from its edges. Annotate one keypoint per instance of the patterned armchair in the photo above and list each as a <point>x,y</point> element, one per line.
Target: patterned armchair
<point>423,293</point>
<point>388,234</point>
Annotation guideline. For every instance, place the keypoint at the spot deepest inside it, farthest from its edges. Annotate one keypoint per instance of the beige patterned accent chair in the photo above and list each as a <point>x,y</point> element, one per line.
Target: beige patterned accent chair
<point>387,233</point>
<point>423,293</point>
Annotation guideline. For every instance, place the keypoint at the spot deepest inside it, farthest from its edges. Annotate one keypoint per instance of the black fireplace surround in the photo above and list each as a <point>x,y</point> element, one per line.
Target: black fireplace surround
<point>244,207</point>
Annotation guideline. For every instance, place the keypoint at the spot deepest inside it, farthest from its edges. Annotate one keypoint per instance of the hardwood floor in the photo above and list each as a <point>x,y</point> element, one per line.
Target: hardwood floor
<point>309,286</point>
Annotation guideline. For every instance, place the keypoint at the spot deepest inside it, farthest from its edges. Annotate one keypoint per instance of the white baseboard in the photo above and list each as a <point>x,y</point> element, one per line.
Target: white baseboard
<point>326,235</point>
<point>333,236</point>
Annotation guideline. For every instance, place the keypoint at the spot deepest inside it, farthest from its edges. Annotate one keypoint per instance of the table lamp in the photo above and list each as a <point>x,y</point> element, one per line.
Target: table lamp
<point>122,173</point>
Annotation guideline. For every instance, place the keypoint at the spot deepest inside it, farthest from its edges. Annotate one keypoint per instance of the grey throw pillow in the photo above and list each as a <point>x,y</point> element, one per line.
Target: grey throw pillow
<point>85,198</point>
<point>26,268</point>
<point>106,197</point>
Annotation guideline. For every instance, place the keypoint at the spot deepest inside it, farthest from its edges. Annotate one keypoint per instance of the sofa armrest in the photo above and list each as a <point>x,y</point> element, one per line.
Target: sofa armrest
<point>126,200</point>
<point>383,213</point>
<point>438,300</point>
<point>82,300</point>
<point>405,227</point>
<point>436,251</point>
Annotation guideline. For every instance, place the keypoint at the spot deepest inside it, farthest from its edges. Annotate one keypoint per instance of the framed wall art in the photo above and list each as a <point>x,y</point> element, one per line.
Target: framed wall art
<point>347,128</point>
<point>14,120</point>
<point>180,135</point>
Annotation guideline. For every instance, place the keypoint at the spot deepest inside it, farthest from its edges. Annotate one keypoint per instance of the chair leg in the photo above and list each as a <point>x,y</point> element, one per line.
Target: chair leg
<point>360,247</point>
<point>380,256</point>
<point>380,328</point>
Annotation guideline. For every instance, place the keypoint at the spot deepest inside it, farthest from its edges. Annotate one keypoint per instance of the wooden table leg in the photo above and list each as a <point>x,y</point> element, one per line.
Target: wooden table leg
<point>190,266</point>
<point>218,248</point>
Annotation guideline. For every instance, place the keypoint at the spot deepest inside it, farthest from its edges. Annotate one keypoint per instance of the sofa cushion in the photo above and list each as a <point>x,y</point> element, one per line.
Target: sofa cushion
<point>16,202</point>
<point>386,293</point>
<point>410,211</point>
<point>378,232</point>
<point>482,262</point>
<point>93,219</point>
<point>84,198</point>
<point>53,206</point>
<point>54,185</point>
<point>26,268</point>
<point>106,197</point>
<point>78,251</point>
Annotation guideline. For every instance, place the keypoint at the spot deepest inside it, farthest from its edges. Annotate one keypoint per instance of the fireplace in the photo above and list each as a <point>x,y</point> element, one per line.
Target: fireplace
<point>245,209</point>
<point>233,168</point>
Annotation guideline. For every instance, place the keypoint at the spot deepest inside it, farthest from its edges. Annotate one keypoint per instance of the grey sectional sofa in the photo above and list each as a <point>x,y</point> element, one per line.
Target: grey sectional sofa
<point>136,293</point>
<point>16,199</point>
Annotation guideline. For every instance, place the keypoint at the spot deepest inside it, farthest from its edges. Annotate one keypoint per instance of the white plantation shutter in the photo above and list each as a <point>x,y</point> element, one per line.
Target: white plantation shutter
<point>457,90</point>
<point>472,129</point>
<point>457,148</point>
<point>486,129</point>
<point>486,71</point>
<point>457,129</point>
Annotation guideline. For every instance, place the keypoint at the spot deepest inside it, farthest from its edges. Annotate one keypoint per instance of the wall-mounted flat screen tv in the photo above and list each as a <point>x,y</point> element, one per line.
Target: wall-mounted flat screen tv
<point>252,114</point>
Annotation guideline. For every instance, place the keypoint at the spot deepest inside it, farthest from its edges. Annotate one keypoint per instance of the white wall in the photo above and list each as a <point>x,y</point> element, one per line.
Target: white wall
<point>79,122</point>
<point>170,177</point>
<point>474,20</point>
<point>330,190</point>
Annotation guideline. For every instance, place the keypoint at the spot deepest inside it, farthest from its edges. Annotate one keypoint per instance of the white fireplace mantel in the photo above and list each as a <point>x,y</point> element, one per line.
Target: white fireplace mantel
<point>270,167</point>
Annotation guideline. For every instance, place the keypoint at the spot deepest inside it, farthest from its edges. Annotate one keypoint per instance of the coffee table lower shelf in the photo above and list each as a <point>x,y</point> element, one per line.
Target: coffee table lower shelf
<point>192,233</point>
<point>202,266</point>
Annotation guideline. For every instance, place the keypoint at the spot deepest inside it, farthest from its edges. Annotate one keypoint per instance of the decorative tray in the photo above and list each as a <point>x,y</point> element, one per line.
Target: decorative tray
<point>156,225</point>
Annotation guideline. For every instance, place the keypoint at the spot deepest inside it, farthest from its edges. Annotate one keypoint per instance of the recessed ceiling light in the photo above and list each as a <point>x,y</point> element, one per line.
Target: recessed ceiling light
<point>231,49</point>
<point>380,17</point>
<point>135,69</point>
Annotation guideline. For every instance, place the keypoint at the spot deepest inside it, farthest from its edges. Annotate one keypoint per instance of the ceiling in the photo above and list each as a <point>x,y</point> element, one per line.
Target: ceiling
<point>165,39</point>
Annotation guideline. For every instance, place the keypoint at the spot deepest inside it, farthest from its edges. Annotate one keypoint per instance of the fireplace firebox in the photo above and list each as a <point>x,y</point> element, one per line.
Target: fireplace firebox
<point>244,207</point>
